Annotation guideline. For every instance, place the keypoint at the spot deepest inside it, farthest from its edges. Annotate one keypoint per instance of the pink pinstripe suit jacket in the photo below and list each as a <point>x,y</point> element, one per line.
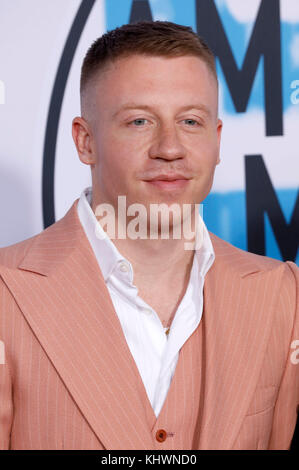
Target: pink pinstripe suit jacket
<point>69,381</point>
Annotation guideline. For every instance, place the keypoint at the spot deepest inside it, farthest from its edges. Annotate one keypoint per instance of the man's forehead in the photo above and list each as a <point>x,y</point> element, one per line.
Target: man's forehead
<point>135,73</point>
<point>110,84</point>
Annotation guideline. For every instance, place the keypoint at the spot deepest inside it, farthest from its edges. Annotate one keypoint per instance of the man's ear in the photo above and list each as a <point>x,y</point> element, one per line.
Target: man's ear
<point>82,136</point>
<point>219,130</point>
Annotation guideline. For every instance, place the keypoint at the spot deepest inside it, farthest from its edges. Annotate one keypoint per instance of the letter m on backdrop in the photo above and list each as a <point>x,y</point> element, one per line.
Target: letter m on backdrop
<point>264,42</point>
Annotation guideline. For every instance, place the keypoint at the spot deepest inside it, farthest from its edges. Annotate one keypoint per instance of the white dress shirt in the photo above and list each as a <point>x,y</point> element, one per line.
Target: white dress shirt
<point>155,353</point>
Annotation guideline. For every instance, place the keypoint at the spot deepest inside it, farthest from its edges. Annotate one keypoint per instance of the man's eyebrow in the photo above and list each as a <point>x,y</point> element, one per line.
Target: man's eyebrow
<point>128,106</point>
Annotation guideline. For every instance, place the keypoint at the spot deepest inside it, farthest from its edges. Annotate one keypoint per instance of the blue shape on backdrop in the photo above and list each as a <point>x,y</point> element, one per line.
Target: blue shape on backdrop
<point>225,213</point>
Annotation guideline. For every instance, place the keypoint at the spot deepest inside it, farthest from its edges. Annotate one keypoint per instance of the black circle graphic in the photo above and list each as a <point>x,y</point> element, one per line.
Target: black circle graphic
<point>55,110</point>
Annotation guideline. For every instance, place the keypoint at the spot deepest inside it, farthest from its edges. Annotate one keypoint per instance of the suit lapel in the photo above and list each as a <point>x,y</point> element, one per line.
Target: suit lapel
<point>60,290</point>
<point>237,317</point>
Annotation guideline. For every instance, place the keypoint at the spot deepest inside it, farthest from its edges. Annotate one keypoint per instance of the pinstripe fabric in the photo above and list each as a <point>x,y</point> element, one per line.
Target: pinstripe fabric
<point>69,380</point>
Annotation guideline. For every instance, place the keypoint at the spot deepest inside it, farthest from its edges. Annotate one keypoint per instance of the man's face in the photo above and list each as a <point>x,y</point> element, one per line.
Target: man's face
<point>154,116</point>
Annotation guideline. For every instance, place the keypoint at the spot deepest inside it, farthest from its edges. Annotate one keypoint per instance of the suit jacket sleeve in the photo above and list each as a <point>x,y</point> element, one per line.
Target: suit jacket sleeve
<point>287,403</point>
<point>6,405</point>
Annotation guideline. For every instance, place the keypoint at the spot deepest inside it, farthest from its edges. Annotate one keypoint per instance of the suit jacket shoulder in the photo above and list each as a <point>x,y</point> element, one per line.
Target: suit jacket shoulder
<point>232,253</point>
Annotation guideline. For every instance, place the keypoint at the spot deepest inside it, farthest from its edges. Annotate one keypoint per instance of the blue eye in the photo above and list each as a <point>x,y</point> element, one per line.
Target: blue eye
<point>192,121</point>
<point>139,121</point>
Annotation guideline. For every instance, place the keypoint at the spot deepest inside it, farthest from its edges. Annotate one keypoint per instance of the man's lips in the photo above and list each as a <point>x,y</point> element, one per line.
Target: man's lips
<point>168,177</point>
<point>169,182</point>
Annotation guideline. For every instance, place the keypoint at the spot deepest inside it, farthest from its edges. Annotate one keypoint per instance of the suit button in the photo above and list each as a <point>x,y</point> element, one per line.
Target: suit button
<point>161,435</point>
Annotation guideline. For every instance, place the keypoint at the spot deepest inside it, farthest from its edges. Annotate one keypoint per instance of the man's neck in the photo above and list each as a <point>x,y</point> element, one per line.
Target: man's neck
<point>155,260</point>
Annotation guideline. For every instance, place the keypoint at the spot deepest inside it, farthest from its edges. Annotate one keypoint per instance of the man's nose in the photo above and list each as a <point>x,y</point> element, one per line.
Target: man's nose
<point>167,144</point>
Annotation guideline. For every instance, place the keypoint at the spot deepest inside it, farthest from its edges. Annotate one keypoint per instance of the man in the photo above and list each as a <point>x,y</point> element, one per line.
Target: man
<point>139,343</point>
